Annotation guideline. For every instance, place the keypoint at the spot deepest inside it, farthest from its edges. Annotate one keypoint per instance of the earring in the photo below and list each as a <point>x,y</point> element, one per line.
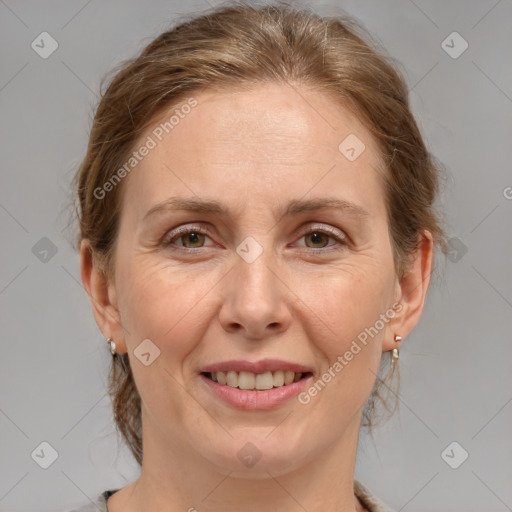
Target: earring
<point>395,353</point>
<point>115,355</point>
<point>112,345</point>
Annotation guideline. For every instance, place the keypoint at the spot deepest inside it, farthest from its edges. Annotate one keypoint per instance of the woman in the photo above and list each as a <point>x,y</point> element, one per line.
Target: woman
<point>257,229</point>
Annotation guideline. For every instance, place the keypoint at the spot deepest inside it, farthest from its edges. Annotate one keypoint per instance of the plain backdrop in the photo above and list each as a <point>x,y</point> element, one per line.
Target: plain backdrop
<point>455,367</point>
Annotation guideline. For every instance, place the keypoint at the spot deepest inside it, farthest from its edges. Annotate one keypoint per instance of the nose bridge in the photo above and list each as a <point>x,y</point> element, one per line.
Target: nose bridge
<point>256,258</point>
<point>255,299</point>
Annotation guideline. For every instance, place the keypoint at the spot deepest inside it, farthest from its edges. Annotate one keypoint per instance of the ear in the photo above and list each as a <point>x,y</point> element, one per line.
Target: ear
<point>411,291</point>
<point>102,294</point>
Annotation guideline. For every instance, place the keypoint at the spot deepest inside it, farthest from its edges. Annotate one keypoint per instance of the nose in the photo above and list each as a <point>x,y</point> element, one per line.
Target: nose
<point>256,300</point>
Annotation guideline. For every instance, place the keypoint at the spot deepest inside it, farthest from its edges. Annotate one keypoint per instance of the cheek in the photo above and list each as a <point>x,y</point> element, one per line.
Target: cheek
<point>348,317</point>
<point>345,303</point>
<point>170,308</point>
<point>166,304</point>
<point>347,331</point>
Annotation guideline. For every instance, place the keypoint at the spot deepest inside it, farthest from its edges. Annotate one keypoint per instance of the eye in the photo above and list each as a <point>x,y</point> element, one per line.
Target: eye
<point>191,237</point>
<point>319,237</point>
<point>194,237</point>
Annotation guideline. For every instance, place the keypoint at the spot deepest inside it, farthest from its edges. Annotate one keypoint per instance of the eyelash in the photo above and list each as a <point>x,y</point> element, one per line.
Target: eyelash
<point>168,241</point>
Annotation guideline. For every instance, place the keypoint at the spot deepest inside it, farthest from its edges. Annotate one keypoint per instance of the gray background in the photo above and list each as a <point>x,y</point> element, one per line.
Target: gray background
<point>455,367</point>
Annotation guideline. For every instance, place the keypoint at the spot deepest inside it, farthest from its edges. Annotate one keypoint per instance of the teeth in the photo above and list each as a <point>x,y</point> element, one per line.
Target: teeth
<point>232,379</point>
<point>278,378</point>
<point>246,380</point>
<point>260,381</point>
<point>264,380</point>
<point>288,377</point>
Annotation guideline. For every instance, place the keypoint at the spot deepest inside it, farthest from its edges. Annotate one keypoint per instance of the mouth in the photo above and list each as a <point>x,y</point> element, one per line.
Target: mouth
<point>249,381</point>
<point>256,385</point>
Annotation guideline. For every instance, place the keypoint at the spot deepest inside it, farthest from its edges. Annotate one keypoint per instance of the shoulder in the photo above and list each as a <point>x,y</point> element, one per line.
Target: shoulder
<point>99,505</point>
<point>368,499</point>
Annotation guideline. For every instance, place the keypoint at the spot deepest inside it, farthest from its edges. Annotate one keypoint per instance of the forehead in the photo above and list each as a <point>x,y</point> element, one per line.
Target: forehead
<point>272,142</point>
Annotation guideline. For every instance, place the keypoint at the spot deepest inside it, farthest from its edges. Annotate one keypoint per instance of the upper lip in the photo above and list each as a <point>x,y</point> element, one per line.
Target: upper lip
<point>261,366</point>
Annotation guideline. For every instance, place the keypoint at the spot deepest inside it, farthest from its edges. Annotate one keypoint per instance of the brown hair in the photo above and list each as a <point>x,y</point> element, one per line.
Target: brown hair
<point>237,45</point>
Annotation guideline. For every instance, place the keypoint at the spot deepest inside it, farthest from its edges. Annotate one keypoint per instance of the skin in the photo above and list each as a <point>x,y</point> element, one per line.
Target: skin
<point>304,299</point>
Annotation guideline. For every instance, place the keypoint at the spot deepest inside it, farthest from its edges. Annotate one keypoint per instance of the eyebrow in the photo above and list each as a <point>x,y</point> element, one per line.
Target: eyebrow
<point>294,207</point>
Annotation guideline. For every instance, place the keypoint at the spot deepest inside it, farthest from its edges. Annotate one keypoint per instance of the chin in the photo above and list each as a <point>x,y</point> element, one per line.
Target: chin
<point>258,458</point>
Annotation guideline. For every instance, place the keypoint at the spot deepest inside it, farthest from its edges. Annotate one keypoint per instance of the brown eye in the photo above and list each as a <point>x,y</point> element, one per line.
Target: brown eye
<point>318,239</point>
<point>185,239</point>
<point>193,238</point>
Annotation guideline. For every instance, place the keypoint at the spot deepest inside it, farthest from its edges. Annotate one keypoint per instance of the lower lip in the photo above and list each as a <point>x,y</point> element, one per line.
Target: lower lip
<point>256,400</point>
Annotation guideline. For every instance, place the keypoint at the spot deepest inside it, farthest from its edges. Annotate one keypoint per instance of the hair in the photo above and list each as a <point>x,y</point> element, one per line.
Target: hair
<point>237,46</point>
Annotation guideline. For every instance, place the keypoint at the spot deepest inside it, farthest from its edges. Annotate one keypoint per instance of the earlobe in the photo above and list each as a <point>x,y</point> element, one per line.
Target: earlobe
<point>102,296</point>
<point>412,291</point>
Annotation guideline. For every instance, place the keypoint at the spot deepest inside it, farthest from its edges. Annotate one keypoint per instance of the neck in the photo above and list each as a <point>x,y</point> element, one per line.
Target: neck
<point>176,477</point>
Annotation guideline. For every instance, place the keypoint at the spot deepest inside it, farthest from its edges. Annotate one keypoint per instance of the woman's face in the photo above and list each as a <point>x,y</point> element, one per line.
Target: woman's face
<point>289,259</point>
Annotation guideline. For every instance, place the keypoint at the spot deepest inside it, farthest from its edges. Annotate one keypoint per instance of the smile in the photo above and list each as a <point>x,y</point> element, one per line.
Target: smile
<point>256,381</point>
